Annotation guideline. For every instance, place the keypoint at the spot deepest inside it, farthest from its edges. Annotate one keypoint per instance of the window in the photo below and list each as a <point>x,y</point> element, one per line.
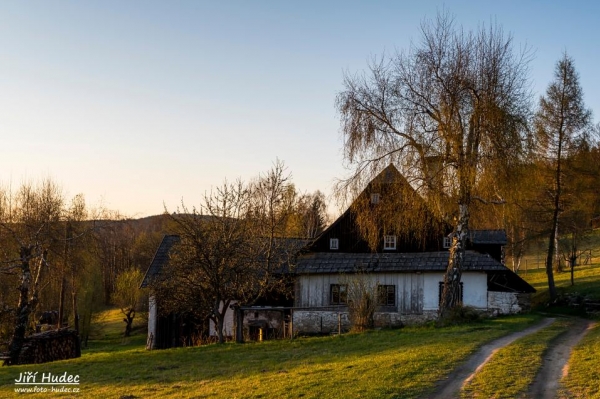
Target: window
<point>334,243</point>
<point>375,198</point>
<point>441,289</point>
<point>338,294</point>
<point>389,242</point>
<point>447,242</point>
<point>386,295</point>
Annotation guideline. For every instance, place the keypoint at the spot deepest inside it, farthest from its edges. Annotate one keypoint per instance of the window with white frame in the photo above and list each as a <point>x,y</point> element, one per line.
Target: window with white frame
<point>375,198</point>
<point>389,243</point>
<point>334,243</point>
<point>447,242</point>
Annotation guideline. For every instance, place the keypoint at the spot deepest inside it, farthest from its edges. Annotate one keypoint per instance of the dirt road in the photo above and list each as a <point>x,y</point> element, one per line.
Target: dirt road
<point>546,383</point>
<point>555,366</point>
<point>464,373</point>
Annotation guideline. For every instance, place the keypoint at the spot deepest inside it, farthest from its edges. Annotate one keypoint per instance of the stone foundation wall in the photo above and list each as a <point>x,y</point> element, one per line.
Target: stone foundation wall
<point>319,322</point>
<point>326,321</point>
<point>508,302</point>
<point>272,318</point>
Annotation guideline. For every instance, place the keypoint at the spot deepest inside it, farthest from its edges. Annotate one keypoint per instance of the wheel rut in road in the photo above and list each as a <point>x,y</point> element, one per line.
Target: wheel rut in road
<point>555,364</point>
<point>547,381</point>
<point>451,386</point>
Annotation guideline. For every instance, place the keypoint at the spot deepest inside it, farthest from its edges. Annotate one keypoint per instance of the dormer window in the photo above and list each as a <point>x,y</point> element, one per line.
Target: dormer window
<point>375,198</point>
<point>389,243</point>
<point>447,242</point>
<point>334,243</point>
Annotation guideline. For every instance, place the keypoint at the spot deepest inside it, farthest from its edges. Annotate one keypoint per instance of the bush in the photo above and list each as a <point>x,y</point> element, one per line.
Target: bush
<point>361,312</point>
<point>361,301</point>
<point>459,315</point>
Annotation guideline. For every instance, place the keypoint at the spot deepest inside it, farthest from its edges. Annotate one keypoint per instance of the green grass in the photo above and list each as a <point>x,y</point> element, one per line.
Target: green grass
<point>583,378</point>
<point>379,364</point>
<point>523,358</point>
<point>587,284</point>
<point>107,333</point>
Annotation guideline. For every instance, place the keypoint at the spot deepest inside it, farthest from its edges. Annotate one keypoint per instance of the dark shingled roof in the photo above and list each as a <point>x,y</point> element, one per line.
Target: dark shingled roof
<point>334,262</point>
<point>483,237</point>
<point>160,258</point>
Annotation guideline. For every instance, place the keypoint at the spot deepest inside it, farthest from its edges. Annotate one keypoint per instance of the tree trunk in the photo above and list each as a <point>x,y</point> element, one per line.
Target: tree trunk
<point>451,293</point>
<point>27,304</point>
<point>550,257</point>
<point>61,303</point>
<point>129,316</point>
<point>557,267</point>
<point>23,310</point>
<point>219,318</point>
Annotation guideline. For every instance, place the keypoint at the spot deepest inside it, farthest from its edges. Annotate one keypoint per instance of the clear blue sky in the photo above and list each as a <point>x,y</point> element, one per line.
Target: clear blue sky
<point>136,103</point>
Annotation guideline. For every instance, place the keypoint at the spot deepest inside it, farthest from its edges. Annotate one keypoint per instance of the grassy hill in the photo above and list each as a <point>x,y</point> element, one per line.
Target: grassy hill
<point>380,364</point>
<point>586,276</point>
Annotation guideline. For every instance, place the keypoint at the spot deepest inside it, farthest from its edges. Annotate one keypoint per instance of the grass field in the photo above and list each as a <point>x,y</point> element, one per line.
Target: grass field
<point>379,364</point>
<point>583,378</point>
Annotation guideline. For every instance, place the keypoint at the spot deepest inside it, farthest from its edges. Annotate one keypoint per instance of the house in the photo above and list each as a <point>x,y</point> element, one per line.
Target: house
<point>400,248</point>
<point>389,238</point>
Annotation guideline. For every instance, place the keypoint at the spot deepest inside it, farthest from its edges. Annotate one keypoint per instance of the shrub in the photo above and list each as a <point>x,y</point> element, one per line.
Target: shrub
<point>459,315</point>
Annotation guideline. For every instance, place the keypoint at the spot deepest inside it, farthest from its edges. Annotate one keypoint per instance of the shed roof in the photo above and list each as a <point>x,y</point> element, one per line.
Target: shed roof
<point>483,237</point>
<point>161,257</point>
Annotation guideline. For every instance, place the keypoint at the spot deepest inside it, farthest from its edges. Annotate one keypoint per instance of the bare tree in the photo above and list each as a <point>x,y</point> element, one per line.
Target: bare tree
<point>234,247</point>
<point>561,122</point>
<point>362,300</point>
<point>451,106</point>
<point>128,297</point>
<point>311,210</point>
<point>211,261</point>
<point>30,217</point>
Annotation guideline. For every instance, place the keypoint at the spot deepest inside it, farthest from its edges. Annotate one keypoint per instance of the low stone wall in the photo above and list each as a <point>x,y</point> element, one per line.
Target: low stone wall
<point>319,322</point>
<point>508,302</point>
<point>50,346</point>
<point>326,321</point>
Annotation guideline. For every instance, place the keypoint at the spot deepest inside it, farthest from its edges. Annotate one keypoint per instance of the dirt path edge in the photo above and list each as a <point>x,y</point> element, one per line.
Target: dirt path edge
<point>451,386</point>
<point>555,363</point>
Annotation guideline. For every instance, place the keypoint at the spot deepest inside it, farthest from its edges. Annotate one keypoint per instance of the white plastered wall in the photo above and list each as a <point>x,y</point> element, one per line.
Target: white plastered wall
<point>152,320</point>
<point>474,290</point>
<point>228,324</point>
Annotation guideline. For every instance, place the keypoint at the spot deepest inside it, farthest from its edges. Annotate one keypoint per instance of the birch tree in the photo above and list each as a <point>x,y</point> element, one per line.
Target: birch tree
<point>30,218</point>
<point>561,123</point>
<point>452,105</point>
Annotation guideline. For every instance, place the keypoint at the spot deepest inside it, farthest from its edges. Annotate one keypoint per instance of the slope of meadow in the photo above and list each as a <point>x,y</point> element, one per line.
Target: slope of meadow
<point>403,363</point>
